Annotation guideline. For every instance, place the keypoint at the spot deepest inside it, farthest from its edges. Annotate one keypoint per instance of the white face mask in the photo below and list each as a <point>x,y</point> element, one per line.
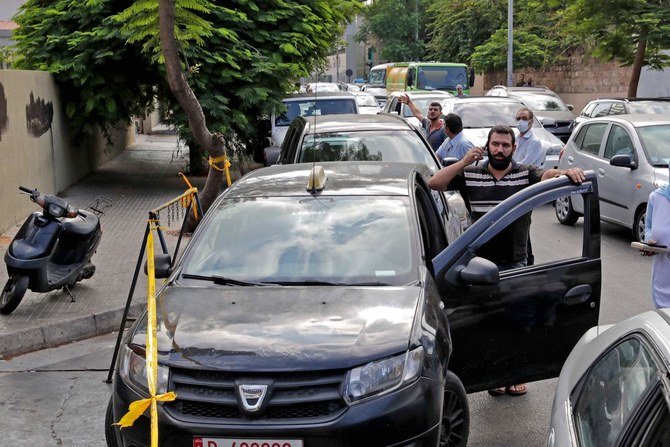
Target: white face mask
<point>522,125</point>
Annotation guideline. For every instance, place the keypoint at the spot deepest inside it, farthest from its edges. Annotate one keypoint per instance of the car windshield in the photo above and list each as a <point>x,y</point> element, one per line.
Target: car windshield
<point>307,239</point>
<point>655,143</point>
<point>441,77</point>
<point>377,77</point>
<point>649,107</point>
<point>310,107</point>
<point>486,114</point>
<point>543,103</point>
<point>422,103</point>
<point>366,101</point>
<point>391,146</point>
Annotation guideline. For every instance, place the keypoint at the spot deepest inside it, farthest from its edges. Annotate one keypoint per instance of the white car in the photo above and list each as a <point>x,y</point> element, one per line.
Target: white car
<point>421,99</point>
<point>480,113</point>
<point>614,388</point>
<point>367,103</point>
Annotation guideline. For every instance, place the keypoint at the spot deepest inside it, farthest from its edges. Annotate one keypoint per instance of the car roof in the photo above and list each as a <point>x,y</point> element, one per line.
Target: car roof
<point>482,99</point>
<point>538,89</point>
<point>356,122</point>
<point>344,178</point>
<point>663,98</point>
<point>419,93</point>
<point>634,119</point>
<point>319,95</point>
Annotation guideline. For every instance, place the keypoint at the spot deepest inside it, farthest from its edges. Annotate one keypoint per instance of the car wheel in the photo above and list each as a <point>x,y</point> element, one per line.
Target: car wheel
<point>639,223</point>
<point>565,213</point>
<point>110,430</point>
<point>455,424</point>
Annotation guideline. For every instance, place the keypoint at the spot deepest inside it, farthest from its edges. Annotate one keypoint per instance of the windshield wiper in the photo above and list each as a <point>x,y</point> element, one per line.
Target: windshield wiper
<point>222,280</point>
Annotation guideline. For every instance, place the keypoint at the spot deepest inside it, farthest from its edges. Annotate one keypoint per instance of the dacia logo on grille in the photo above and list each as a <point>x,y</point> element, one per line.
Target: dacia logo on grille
<point>252,396</point>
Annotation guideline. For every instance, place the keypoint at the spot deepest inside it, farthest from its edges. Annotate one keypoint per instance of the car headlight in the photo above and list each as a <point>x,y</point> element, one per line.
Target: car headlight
<point>382,376</point>
<point>133,370</point>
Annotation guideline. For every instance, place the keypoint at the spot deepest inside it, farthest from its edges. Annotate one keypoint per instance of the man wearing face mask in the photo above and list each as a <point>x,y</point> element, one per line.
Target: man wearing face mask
<point>529,150</point>
<point>488,184</point>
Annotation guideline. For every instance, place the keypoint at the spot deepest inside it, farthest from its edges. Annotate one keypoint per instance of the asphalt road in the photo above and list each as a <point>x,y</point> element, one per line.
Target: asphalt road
<point>58,397</point>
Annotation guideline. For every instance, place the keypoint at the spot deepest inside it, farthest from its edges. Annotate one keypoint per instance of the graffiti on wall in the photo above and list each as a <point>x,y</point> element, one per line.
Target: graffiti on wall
<point>4,118</point>
<point>39,116</point>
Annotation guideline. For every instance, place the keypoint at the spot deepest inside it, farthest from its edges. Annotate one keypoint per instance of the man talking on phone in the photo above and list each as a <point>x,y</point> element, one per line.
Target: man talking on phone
<point>488,184</point>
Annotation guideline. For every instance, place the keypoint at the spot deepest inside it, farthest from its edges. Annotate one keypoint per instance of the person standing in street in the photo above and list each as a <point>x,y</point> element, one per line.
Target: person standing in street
<point>488,184</point>
<point>432,123</point>
<point>657,232</point>
<point>456,145</point>
<point>529,150</point>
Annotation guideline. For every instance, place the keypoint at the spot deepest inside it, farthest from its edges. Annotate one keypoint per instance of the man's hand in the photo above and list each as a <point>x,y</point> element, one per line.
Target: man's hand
<point>404,99</point>
<point>575,174</point>
<point>473,155</point>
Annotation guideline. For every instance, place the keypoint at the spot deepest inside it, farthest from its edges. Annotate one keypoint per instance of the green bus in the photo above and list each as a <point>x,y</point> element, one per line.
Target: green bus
<point>443,76</point>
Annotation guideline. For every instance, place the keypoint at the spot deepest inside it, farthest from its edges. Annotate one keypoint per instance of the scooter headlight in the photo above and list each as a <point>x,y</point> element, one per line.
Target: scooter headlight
<point>382,376</point>
<point>133,370</point>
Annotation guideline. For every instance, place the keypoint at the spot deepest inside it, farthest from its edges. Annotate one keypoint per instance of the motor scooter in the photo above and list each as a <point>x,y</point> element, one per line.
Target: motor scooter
<point>52,250</point>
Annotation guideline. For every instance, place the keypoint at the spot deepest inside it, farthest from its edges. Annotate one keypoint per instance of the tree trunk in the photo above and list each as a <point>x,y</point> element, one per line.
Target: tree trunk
<point>184,94</point>
<point>637,64</point>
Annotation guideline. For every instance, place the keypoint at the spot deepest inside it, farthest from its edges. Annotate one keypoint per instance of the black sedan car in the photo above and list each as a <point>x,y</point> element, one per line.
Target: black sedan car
<point>338,315</point>
<point>355,137</point>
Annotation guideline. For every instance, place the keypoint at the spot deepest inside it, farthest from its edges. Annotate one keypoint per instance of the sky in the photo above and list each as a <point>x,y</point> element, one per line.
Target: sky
<point>8,8</point>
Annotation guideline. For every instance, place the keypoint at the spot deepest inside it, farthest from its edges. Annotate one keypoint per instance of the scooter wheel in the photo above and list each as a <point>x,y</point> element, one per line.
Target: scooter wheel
<point>12,293</point>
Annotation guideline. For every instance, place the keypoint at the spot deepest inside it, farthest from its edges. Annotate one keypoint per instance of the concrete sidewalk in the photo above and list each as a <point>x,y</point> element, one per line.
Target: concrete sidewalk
<point>140,178</point>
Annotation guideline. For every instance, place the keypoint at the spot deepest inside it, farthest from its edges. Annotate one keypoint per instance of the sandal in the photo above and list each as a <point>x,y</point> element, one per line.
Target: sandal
<point>517,390</point>
<point>497,391</point>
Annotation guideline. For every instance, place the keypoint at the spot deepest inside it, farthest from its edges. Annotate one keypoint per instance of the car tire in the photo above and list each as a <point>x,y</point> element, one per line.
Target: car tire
<point>639,223</point>
<point>565,213</point>
<point>455,423</point>
<point>110,430</point>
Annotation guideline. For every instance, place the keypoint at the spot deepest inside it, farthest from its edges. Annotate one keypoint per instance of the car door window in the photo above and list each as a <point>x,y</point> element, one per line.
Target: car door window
<point>430,224</point>
<point>593,137</point>
<point>602,109</point>
<point>618,143</point>
<point>610,391</point>
<point>588,110</point>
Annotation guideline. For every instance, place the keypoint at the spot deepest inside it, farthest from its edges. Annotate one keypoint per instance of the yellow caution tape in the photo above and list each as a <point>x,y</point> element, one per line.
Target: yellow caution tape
<point>138,407</point>
<point>187,200</point>
<point>226,165</point>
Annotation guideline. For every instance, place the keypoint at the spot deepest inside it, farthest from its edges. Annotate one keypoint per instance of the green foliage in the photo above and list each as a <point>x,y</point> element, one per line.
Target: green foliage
<point>102,80</point>
<point>393,23</point>
<point>614,28</point>
<point>529,51</point>
<point>458,27</point>
<point>255,52</point>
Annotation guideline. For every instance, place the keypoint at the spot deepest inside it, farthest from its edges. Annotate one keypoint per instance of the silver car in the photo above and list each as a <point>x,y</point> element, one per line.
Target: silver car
<point>614,387</point>
<point>630,155</point>
<point>480,113</point>
<point>421,99</point>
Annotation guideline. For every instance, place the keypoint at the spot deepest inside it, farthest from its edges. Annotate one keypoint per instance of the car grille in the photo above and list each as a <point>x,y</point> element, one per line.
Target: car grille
<point>295,398</point>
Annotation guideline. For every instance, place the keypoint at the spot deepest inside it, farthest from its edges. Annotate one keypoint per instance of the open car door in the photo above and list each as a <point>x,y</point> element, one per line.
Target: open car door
<point>519,325</point>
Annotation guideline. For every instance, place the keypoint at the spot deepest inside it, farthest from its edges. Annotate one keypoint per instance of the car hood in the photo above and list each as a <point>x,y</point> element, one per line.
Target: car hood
<point>557,115</point>
<point>282,328</point>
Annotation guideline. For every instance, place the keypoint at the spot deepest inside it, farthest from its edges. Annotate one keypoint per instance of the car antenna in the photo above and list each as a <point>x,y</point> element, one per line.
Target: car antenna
<point>312,175</point>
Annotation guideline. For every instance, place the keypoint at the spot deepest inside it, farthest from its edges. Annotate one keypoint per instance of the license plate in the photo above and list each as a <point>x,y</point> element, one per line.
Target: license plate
<point>231,442</point>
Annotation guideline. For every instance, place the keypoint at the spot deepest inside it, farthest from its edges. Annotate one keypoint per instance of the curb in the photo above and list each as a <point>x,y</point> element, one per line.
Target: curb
<point>66,331</point>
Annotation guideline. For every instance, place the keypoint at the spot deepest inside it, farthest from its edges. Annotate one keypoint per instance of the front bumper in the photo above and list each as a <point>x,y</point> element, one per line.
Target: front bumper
<point>406,417</point>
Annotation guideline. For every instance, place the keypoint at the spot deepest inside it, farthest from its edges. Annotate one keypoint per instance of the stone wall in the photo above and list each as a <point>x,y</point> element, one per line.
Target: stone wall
<point>577,80</point>
<point>36,150</point>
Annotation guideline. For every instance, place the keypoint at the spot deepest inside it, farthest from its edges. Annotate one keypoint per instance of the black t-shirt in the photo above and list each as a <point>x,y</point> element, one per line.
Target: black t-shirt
<point>483,192</point>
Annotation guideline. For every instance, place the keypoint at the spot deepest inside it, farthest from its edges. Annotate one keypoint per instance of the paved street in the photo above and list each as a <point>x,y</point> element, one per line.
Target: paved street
<point>59,386</point>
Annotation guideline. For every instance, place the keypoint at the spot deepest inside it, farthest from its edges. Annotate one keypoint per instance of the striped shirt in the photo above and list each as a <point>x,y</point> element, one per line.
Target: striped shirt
<point>483,192</point>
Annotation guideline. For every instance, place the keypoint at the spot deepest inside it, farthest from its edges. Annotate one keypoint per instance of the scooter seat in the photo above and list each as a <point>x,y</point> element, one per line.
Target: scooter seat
<point>80,227</point>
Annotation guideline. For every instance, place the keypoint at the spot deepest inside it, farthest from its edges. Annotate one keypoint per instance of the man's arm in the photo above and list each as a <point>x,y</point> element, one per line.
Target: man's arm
<point>575,174</point>
<point>444,176</point>
<point>415,110</point>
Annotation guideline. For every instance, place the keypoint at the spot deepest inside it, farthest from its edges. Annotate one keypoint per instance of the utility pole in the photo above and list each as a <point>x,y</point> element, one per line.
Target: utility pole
<point>510,49</point>
<point>416,33</point>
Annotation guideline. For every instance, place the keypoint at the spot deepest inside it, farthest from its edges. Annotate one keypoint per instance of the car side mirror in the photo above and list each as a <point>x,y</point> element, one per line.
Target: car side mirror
<point>448,161</point>
<point>548,121</point>
<point>479,271</point>
<point>162,265</point>
<point>624,161</point>
<point>570,107</point>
